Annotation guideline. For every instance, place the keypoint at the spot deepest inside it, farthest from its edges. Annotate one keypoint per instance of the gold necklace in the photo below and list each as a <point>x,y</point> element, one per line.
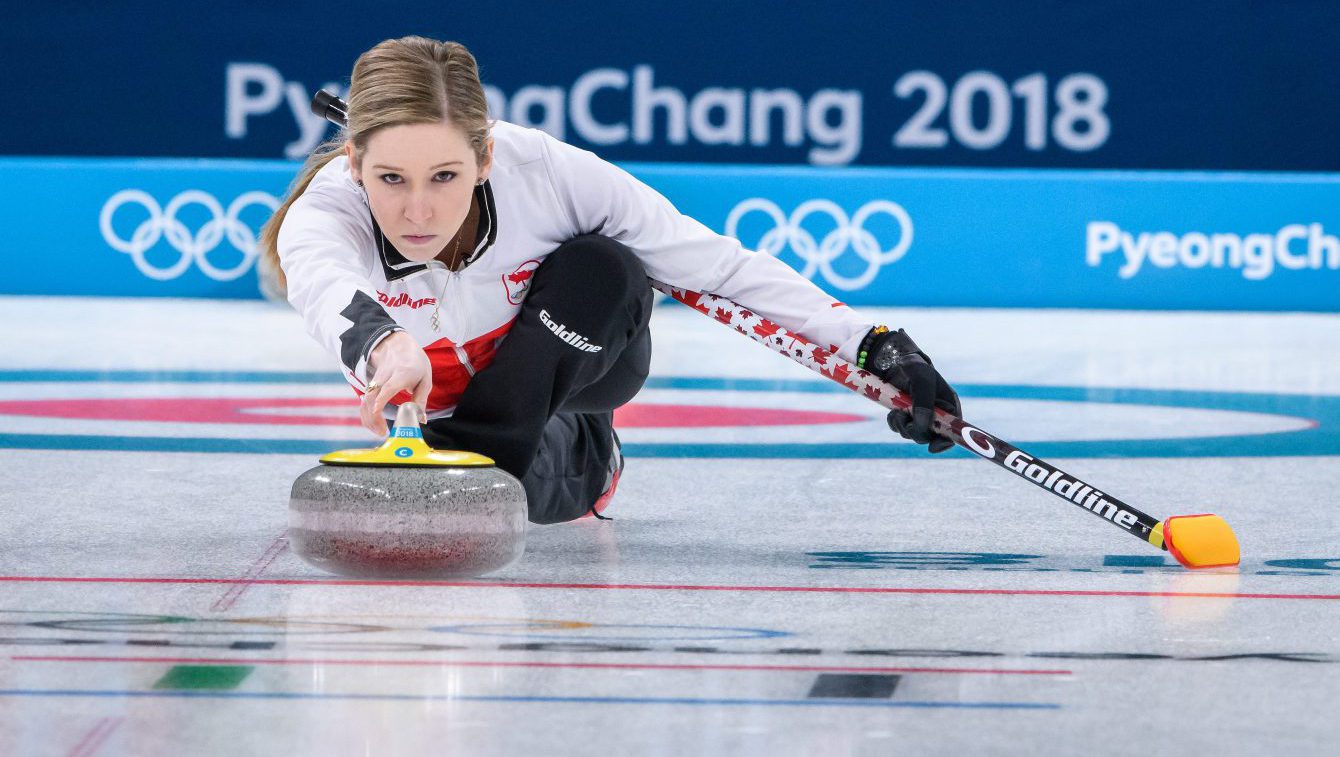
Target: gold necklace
<point>437,304</point>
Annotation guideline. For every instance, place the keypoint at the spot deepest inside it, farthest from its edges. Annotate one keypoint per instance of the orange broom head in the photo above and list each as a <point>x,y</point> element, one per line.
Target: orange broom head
<point>1201,541</point>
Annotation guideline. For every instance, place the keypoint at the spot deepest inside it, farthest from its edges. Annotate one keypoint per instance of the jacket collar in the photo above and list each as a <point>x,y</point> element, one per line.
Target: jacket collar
<point>397,266</point>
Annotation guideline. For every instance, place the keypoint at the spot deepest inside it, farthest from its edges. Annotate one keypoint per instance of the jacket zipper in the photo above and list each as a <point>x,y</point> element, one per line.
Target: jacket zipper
<point>452,278</point>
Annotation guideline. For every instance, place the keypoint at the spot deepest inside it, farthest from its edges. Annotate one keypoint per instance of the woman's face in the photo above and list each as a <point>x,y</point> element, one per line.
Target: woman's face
<point>420,179</point>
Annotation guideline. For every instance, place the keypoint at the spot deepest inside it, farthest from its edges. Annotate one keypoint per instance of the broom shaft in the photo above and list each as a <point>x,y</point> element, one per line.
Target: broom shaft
<point>826,362</point>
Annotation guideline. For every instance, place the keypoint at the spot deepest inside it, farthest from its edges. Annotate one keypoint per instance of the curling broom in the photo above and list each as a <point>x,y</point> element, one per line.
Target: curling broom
<point>1196,541</point>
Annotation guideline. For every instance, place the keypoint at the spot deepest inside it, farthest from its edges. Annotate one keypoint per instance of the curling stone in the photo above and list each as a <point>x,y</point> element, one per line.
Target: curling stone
<point>406,510</point>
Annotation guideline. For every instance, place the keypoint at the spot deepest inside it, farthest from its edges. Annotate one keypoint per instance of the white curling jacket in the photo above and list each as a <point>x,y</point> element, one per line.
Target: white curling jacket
<point>353,287</point>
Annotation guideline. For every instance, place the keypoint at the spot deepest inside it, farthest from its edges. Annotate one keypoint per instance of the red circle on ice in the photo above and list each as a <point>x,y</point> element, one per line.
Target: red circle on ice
<point>273,411</point>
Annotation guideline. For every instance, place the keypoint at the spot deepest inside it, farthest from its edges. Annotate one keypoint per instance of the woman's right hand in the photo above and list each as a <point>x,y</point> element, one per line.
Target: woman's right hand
<point>398,364</point>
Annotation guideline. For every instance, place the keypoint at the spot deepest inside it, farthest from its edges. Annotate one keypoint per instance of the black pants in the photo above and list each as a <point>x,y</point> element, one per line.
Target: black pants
<point>544,408</point>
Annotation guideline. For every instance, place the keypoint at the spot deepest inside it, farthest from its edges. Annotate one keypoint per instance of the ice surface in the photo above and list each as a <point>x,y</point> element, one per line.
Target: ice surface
<point>151,605</point>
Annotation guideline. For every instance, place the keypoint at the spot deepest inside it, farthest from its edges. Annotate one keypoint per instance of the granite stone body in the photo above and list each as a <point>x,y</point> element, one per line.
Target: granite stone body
<point>407,522</point>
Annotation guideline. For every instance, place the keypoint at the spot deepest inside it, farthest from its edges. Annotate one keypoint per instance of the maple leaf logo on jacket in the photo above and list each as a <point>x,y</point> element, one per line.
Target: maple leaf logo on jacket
<point>518,281</point>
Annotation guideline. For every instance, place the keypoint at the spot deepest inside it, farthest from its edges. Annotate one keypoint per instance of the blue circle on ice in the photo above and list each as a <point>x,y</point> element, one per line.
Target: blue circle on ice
<point>404,452</point>
<point>1048,421</point>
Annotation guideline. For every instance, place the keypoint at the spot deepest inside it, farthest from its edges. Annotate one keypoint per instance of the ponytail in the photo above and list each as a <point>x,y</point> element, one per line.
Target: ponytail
<point>273,283</point>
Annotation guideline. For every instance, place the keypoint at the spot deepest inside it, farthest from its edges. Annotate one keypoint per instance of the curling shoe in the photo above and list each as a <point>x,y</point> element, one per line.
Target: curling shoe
<point>611,481</point>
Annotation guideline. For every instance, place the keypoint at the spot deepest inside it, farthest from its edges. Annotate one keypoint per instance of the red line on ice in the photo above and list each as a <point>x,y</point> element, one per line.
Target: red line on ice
<point>94,739</point>
<point>666,587</point>
<point>448,663</point>
<point>235,592</point>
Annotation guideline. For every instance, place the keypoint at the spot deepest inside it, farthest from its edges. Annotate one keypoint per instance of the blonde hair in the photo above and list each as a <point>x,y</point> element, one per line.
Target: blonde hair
<point>411,80</point>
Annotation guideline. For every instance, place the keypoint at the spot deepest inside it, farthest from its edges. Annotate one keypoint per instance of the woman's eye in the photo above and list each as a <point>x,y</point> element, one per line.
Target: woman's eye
<point>391,178</point>
<point>445,175</point>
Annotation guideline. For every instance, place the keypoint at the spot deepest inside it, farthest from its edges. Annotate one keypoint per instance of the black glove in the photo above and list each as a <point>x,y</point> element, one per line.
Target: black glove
<point>894,357</point>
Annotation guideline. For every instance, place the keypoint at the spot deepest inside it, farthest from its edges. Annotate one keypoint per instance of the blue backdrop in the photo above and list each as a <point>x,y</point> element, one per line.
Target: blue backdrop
<point>1226,84</point>
<point>870,236</point>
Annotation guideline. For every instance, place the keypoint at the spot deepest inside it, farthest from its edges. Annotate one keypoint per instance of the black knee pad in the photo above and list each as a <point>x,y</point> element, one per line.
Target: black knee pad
<point>596,265</point>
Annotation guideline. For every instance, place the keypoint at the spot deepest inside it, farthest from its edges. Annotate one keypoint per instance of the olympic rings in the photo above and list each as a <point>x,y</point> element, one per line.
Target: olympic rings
<point>162,223</point>
<point>818,255</point>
